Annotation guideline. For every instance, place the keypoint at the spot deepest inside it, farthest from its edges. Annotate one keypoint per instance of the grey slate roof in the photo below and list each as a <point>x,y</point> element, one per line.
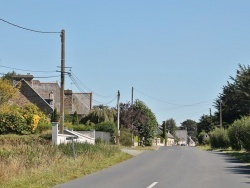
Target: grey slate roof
<point>181,134</point>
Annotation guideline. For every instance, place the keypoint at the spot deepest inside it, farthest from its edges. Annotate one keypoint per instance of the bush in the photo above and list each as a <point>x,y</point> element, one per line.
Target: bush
<point>43,127</point>
<point>219,138</point>
<point>10,123</point>
<point>239,134</point>
<point>246,137</point>
<point>202,139</point>
<point>80,127</point>
<point>107,126</point>
<point>234,134</point>
<point>126,137</point>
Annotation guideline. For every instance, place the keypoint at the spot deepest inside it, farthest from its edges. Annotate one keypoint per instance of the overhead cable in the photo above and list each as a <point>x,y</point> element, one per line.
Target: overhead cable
<point>171,103</point>
<point>24,69</point>
<point>44,32</point>
<point>80,89</point>
<point>90,89</point>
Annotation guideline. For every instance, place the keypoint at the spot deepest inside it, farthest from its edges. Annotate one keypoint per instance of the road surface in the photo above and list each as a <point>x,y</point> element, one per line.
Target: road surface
<point>171,167</point>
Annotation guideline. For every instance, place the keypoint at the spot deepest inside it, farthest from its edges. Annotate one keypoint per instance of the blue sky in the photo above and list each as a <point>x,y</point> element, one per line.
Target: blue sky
<point>177,54</point>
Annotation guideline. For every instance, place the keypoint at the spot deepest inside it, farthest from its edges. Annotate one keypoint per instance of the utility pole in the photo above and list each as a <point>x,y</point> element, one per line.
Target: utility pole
<point>62,81</point>
<point>132,101</point>
<point>220,114</point>
<point>118,117</point>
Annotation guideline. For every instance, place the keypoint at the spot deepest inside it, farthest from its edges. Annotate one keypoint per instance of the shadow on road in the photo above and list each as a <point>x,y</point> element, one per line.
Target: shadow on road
<point>236,167</point>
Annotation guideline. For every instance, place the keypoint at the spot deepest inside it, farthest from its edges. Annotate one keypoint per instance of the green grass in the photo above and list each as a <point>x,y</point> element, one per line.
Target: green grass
<point>33,161</point>
<point>65,170</point>
<point>205,147</point>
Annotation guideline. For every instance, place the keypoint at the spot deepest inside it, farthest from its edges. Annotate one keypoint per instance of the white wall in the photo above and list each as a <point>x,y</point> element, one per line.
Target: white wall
<point>62,138</point>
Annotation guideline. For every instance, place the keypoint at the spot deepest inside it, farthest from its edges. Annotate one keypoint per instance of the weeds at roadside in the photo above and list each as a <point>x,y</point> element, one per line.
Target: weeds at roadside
<point>32,161</point>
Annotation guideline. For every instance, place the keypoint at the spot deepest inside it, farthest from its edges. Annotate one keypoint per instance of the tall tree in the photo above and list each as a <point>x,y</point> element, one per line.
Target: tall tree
<point>191,127</point>
<point>235,97</point>
<point>55,117</point>
<point>206,124</point>
<point>75,118</point>
<point>164,132</point>
<point>171,126</point>
<point>147,125</point>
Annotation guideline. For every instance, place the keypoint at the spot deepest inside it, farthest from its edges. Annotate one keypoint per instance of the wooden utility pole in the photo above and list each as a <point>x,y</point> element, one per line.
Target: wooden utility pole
<point>118,117</point>
<point>62,81</point>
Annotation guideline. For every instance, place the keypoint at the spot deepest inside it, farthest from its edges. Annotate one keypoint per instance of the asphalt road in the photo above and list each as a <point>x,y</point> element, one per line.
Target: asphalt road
<point>171,167</point>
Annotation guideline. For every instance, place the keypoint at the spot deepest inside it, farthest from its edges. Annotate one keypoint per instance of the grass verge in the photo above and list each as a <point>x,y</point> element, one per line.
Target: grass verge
<point>31,161</point>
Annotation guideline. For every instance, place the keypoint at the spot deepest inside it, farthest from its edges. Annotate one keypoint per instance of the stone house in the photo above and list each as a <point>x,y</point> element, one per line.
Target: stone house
<point>182,137</point>
<point>46,96</point>
<point>170,140</point>
<point>159,141</point>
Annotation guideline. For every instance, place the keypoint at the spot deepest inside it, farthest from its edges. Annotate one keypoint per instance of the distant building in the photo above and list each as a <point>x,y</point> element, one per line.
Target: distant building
<point>159,141</point>
<point>190,141</point>
<point>46,96</point>
<point>170,140</point>
<point>182,137</point>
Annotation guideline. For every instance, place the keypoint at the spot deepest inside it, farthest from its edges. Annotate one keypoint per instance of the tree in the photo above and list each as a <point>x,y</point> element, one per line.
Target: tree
<point>164,132</point>
<point>145,123</point>
<point>75,118</point>
<point>55,116</point>
<point>171,126</point>
<point>126,115</point>
<point>7,91</point>
<point>191,127</point>
<point>235,97</point>
<point>100,114</point>
<point>9,76</point>
<point>204,124</point>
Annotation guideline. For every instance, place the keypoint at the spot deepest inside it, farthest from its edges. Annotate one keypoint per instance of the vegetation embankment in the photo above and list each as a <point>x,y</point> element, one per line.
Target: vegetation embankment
<point>33,161</point>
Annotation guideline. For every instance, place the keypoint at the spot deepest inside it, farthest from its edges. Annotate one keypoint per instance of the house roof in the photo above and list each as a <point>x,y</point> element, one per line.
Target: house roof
<point>45,88</point>
<point>31,96</point>
<point>159,132</point>
<point>170,136</point>
<point>181,134</point>
<point>50,91</point>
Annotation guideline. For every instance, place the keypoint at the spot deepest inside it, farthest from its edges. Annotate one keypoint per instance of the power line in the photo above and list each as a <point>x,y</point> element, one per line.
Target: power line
<point>46,76</point>
<point>95,101</point>
<point>111,100</point>
<point>24,69</point>
<point>90,89</point>
<point>80,89</point>
<point>171,103</point>
<point>44,32</point>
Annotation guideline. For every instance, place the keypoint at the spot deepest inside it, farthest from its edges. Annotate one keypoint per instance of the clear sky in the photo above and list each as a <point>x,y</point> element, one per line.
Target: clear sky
<point>177,54</point>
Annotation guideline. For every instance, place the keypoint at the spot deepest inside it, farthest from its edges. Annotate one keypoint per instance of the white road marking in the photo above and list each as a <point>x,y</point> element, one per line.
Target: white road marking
<point>152,185</point>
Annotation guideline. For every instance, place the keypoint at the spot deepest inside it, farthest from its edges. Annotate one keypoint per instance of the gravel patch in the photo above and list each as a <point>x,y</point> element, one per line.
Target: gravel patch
<point>132,151</point>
